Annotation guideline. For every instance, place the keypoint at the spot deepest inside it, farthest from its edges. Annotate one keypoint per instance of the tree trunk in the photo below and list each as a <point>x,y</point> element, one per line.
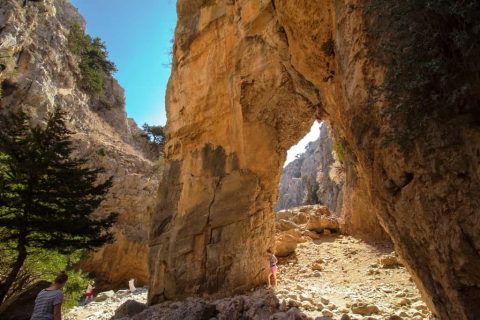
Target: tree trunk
<point>15,268</point>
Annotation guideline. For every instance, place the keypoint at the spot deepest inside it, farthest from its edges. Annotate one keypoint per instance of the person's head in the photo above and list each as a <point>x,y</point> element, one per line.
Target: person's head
<point>269,251</point>
<point>61,279</point>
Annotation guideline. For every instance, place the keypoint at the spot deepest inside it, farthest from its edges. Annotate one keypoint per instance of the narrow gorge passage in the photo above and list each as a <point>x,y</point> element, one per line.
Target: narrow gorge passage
<point>321,271</point>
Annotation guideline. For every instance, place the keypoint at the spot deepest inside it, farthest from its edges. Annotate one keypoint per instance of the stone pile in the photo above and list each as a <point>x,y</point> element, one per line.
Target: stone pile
<point>109,304</point>
<point>302,224</point>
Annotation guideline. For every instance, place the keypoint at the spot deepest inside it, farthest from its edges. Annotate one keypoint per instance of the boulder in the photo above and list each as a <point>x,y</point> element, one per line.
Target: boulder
<point>102,296</point>
<point>319,223</point>
<point>389,261</point>
<point>20,307</point>
<point>313,235</point>
<point>327,313</point>
<point>364,309</point>
<point>128,309</point>
<point>300,217</point>
<point>285,225</point>
<point>317,266</point>
<point>286,242</point>
<point>284,215</point>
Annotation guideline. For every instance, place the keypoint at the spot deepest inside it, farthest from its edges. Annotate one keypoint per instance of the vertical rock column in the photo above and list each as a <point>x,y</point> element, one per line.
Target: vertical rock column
<point>235,105</point>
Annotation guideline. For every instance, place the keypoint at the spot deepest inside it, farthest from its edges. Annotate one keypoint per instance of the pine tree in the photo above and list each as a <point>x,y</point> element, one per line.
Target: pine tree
<point>155,134</point>
<point>47,196</point>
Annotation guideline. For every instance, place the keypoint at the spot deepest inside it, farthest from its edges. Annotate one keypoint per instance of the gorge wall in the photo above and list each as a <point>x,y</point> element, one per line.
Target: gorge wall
<point>248,79</point>
<point>314,177</point>
<point>39,72</point>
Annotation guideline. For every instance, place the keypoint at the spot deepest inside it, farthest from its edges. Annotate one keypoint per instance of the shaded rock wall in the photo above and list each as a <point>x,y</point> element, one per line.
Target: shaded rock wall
<point>40,73</point>
<point>314,177</point>
<point>248,77</point>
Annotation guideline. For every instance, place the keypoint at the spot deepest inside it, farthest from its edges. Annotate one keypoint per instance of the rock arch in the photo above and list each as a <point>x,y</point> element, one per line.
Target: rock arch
<point>248,79</point>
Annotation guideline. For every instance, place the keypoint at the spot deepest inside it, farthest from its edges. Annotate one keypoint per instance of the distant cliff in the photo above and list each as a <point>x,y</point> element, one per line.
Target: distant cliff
<point>39,71</point>
<point>312,178</point>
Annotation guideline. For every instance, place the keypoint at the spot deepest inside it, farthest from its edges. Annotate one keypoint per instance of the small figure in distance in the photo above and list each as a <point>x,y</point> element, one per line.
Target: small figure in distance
<point>272,271</point>
<point>131,285</point>
<point>48,304</point>
<point>89,292</point>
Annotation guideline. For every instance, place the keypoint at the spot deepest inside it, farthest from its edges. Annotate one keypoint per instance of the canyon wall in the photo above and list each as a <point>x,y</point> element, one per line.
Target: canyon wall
<point>248,78</point>
<point>314,177</point>
<point>39,72</point>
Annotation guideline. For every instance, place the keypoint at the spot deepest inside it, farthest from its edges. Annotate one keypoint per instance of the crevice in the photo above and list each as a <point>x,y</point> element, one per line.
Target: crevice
<point>208,229</point>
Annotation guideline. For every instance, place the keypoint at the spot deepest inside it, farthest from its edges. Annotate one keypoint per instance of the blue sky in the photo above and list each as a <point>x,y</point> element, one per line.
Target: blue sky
<point>138,36</point>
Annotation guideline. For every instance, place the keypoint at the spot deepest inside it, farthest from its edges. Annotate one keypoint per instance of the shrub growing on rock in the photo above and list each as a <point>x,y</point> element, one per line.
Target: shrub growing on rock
<point>94,63</point>
<point>429,51</point>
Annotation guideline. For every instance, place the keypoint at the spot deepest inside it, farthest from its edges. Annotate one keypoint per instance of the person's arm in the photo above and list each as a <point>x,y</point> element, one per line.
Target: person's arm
<point>57,312</point>
<point>57,306</point>
<point>276,260</point>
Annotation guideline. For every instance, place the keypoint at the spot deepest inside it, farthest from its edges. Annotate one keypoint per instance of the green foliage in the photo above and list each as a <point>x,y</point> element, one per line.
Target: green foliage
<point>46,195</point>
<point>155,135</point>
<point>46,264</point>
<point>94,63</point>
<point>429,50</point>
<point>328,47</point>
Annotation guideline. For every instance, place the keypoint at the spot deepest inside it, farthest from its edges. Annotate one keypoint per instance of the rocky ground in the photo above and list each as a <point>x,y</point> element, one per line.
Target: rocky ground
<point>337,275</point>
<point>105,305</point>
<point>322,275</point>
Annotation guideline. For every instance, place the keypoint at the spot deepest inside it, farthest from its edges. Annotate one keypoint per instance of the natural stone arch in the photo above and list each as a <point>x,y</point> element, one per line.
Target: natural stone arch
<point>235,119</point>
<point>248,78</point>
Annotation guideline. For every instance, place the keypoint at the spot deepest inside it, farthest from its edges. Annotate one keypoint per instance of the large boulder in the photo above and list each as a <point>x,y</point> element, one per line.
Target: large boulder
<point>319,223</point>
<point>20,307</point>
<point>102,296</point>
<point>285,225</point>
<point>286,242</point>
<point>128,309</point>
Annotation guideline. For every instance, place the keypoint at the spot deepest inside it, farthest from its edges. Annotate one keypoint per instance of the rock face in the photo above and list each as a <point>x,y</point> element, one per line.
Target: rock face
<point>21,306</point>
<point>248,79</point>
<point>40,73</point>
<point>230,124</point>
<point>314,177</point>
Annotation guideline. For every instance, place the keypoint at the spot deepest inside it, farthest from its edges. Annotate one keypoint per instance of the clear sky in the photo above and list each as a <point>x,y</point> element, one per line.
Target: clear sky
<point>138,36</point>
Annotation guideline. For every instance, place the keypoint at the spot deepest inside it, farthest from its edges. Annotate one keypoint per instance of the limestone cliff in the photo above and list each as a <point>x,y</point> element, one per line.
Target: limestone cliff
<point>248,78</point>
<point>38,73</point>
<point>314,177</point>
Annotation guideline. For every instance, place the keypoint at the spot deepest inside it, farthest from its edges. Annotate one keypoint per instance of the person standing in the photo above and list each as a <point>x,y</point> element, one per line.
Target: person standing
<point>89,293</point>
<point>131,285</point>
<point>48,304</point>
<point>272,272</point>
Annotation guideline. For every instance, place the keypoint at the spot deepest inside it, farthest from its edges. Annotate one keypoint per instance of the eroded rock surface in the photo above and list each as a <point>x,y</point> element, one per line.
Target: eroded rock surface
<point>40,73</point>
<point>248,78</point>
